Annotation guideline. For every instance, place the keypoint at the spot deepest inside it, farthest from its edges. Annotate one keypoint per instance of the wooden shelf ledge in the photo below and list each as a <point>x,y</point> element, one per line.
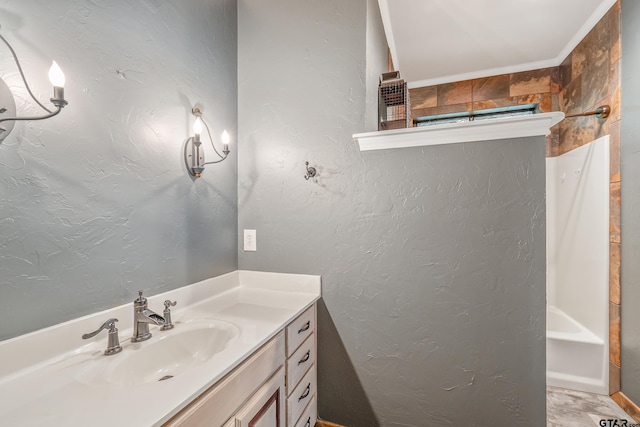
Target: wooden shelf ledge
<point>454,133</point>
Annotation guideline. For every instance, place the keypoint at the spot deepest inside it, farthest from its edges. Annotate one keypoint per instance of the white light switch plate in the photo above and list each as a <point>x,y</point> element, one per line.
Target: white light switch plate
<point>250,240</point>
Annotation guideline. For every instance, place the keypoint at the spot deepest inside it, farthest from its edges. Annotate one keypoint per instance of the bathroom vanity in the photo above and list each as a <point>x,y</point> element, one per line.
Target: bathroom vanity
<point>275,386</point>
<point>242,353</point>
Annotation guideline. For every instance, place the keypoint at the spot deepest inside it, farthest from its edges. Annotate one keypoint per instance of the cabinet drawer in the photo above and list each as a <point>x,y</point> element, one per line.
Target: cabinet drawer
<point>300,329</point>
<point>310,415</point>
<point>301,396</point>
<point>300,362</point>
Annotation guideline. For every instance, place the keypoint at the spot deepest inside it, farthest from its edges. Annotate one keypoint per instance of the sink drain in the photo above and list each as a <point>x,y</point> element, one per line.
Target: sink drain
<point>166,377</point>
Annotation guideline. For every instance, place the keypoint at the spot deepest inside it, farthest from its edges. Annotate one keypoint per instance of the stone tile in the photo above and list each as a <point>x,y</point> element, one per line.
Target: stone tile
<point>614,15</point>
<point>553,141</point>
<point>614,212</point>
<point>614,53</point>
<point>595,82</point>
<point>576,408</point>
<point>575,132</point>
<point>593,47</point>
<point>566,75</point>
<point>615,79</point>
<point>534,98</point>
<point>615,76</point>
<point>614,333</point>
<point>614,378</point>
<point>614,273</point>
<point>597,418</point>
<point>443,109</point>
<point>578,401</point>
<point>616,410</point>
<point>544,100</point>
<point>556,80</point>
<point>528,82</point>
<point>571,97</point>
<point>555,101</point>
<point>578,61</point>
<point>614,149</point>
<point>490,88</point>
<point>495,103</point>
<point>599,39</point>
<point>548,146</point>
<point>567,418</point>
<point>545,104</point>
<point>454,93</point>
<point>424,97</point>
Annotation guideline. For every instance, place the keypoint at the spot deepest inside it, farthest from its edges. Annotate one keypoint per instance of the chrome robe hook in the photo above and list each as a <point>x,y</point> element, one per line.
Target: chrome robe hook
<point>311,171</point>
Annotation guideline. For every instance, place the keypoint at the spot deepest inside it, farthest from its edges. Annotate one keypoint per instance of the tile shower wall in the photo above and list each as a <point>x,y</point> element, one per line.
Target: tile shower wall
<point>587,78</point>
<point>96,202</point>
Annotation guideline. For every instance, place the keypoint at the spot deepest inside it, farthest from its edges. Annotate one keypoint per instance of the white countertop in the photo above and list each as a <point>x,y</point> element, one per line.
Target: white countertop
<point>43,380</point>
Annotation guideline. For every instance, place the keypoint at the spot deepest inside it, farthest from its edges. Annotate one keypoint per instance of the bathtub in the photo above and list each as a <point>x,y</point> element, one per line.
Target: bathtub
<point>578,268</point>
<point>576,358</point>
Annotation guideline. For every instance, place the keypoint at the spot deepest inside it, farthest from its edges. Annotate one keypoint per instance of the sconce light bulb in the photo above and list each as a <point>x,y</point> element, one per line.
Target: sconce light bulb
<point>56,76</point>
<point>197,126</point>
<point>225,143</point>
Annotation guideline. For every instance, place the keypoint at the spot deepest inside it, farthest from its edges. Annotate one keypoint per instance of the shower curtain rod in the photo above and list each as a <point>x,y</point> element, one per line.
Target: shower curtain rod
<point>602,112</point>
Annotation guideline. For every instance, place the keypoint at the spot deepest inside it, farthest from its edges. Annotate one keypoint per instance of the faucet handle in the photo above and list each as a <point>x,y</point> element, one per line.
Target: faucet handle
<point>111,324</point>
<point>113,343</point>
<point>168,324</point>
<point>140,297</point>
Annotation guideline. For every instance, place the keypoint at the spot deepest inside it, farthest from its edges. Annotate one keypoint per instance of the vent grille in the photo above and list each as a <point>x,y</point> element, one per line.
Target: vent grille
<point>468,116</point>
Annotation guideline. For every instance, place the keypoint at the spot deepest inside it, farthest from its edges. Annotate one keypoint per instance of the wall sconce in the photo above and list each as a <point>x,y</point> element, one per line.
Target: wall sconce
<point>8,104</point>
<point>193,150</point>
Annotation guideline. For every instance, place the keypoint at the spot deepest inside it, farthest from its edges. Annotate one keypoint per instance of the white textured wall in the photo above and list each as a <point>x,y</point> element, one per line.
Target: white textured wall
<point>96,203</point>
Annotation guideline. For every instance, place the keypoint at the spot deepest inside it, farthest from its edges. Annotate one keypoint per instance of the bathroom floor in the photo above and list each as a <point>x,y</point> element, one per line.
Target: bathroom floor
<point>570,408</point>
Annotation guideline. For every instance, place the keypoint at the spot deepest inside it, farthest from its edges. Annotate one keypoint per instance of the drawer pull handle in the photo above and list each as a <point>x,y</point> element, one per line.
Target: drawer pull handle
<point>305,327</point>
<point>305,358</point>
<point>306,392</point>
<point>308,424</point>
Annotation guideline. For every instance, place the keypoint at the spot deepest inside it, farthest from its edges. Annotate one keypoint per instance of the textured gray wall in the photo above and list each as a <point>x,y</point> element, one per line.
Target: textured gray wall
<point>96,202</point>
<point>432,259</point>
<point>630,197</point>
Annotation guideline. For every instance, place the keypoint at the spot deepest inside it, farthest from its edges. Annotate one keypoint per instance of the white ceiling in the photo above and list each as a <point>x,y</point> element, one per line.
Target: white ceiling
<point>441,41</point>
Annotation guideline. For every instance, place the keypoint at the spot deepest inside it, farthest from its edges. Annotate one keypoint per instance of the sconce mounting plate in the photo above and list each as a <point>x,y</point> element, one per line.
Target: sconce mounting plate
<point>194,157</point>
<point>7,109</point>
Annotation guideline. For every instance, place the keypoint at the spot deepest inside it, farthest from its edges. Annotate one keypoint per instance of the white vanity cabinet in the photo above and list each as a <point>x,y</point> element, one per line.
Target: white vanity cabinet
<point>274,387</point>
<point>301,370</point>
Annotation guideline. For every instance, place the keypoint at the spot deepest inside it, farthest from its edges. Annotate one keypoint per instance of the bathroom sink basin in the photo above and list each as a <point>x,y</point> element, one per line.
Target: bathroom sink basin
<point>166,354</point>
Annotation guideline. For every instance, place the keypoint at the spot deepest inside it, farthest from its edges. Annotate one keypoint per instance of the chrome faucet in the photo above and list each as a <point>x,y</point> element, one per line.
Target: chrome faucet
<point>142,318</point>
